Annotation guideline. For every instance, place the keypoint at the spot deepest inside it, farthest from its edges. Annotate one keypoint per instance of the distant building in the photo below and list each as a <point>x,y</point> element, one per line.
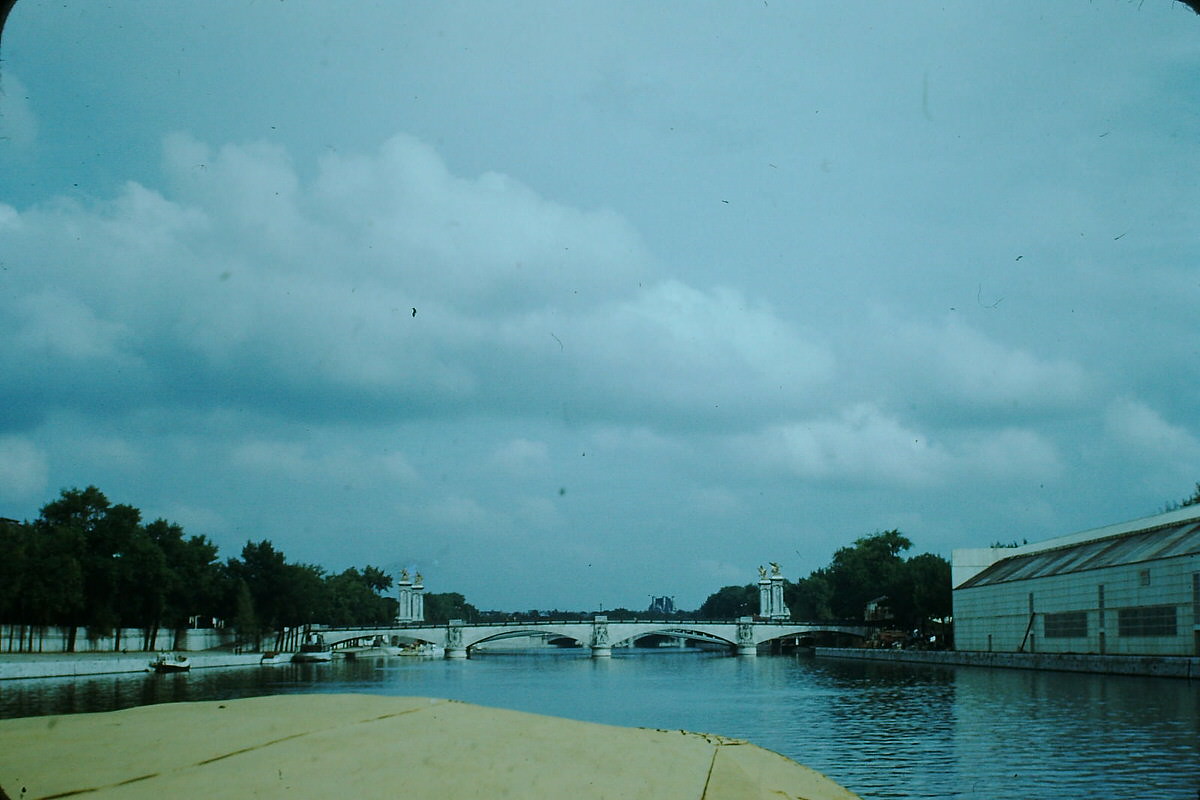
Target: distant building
<point>1128,589</point>
<point>662,605</point>
<point>878,610</point>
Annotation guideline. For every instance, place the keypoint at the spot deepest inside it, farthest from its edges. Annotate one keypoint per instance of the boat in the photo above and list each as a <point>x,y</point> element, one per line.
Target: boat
<point>423,650</point>
<point>313,649</point>
<point>170,662</point>
<point>271,658</point>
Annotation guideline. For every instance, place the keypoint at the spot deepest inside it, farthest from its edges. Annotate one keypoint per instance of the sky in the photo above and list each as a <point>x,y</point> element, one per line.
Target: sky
<point>569,305</point>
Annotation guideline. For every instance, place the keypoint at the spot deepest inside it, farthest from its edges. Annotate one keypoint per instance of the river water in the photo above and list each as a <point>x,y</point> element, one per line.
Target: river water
<point>882,730</point>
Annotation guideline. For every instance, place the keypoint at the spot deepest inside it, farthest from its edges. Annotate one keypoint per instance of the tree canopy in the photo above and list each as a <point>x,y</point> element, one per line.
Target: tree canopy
<point>85,562</point>
<point>914,590</point>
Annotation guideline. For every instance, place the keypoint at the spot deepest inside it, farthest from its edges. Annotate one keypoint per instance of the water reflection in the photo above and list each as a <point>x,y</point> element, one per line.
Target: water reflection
<point>886,731</point>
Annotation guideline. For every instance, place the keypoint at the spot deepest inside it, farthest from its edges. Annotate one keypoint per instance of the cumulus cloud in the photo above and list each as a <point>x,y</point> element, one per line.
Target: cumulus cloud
<point>865,445</point>
<point>1140,430</point>
<point>715,500</point>
<point>489,242</point>
<point>1008,454</point>
<point>385,286</point>
<point>460,515</point>
<point>23,470</point>
<point>18,123</point>
<point>520,457</point>
<point>956,364</point>
<point>316,461</point>
<point>860,445</point>
<point>679,355</point>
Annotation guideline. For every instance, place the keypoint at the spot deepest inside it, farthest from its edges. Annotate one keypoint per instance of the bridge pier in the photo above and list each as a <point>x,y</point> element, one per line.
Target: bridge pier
<point>601,646</point>
<point>745,637</point>
<point>454,640</point>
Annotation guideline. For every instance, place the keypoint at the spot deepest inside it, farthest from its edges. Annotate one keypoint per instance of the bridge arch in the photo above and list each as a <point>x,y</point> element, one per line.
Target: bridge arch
<point>675,630</point>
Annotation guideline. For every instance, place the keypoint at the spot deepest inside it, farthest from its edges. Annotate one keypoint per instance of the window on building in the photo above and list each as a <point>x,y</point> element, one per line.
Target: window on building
<point>1196,598</point>
<point>1146,621</point>
<point>1144,577</point>
<point>1068,625</point>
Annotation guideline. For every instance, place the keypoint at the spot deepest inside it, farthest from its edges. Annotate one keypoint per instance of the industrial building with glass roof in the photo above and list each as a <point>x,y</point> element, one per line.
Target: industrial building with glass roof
<point>1127,589</point>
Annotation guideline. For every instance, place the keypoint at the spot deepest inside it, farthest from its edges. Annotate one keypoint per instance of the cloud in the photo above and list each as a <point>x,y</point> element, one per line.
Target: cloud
<point>861,444</point>
<point>487,244</point>
<point>678,355</point>
<point>715,500</point>
<point>459,515</point>
<point>1141,431</point>
<point>318,461</point>
<point>1008,454</point>
<point>957,369</point>
<point>520,457</point>
<point>384,287</point>
<point>867,446</point>
<point>24,471</point>
<point>54,326</point>
<point>18,123</point>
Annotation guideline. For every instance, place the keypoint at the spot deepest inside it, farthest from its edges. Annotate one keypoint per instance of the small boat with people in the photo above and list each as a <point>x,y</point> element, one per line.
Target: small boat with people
<point>313,649</point>
<point>423,650</point>
<point>170,662</point>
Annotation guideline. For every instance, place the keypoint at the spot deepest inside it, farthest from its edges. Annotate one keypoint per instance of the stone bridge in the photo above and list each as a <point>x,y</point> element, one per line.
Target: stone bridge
<point>742,636</point>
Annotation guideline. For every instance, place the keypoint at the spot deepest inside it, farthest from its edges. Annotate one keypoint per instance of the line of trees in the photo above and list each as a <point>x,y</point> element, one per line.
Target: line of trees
<point>88,563</point>
<point>917,589</point>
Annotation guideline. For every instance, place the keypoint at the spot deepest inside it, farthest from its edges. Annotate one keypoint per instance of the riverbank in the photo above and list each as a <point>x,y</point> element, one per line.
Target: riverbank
<point>1155,666</point>
<point>18,666</point>
<point>355,745</point>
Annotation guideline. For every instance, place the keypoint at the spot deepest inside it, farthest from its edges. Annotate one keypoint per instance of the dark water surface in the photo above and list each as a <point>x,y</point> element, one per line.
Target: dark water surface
<point>882,730</point>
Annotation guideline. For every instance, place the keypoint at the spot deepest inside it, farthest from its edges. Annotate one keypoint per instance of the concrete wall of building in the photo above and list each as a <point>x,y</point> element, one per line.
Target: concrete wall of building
<point>996,617</point>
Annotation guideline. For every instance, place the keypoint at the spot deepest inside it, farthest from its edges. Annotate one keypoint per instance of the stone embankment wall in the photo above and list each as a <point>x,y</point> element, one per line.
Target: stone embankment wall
<point>69,665</point>
<point>1162,666</point>
<point>49,639</point>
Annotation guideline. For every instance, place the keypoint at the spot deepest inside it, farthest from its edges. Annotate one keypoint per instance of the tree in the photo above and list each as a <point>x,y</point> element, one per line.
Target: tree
<point>193,578</point>
<point>262,568</point>
<point>730,602</point>
<point>245,621</point>
<point>15,540</point>
<point>442,607</point>
<point>106,532</point>
<point>931,595</point>
<point>376,578</point>
<point>869,569</point>
<point>143,579</point>
<point>809,598</point>
<point>52,587</point>
<point>355,598</point>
